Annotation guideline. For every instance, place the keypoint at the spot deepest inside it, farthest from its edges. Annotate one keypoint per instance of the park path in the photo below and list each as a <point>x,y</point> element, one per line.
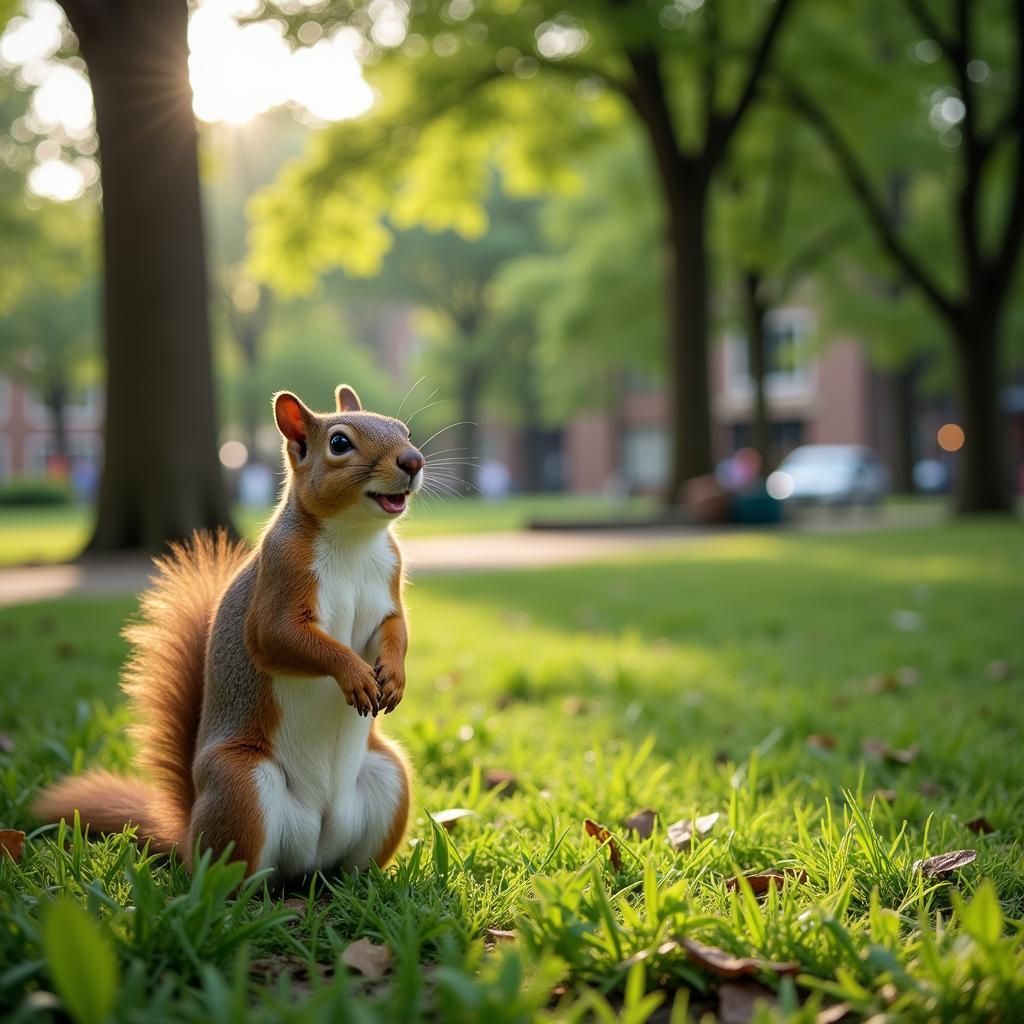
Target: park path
<point>520,549</point>
<point>514,549</point>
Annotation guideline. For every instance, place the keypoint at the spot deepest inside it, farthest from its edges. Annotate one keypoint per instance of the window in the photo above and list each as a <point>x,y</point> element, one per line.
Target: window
<point>789,362</point>
<point>645,456</point>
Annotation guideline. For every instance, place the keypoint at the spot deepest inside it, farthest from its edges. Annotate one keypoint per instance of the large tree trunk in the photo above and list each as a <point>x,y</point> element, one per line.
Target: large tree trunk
<point>983,484</point>
<point>760,428</point>
<point>161,477</point>
<point>688,290</point>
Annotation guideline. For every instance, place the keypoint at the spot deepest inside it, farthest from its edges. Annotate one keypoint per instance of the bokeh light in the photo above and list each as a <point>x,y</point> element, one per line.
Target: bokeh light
<point>233,454</point>
<point>950,437</point>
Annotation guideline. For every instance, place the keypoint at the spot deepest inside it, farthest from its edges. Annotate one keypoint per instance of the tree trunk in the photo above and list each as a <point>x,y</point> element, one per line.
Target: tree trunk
<point>688,289</point>
<point>161,476</point>
<point>460,474</point>
<point>760,428</point>
<point>56,398</point>
<point>983,484</point>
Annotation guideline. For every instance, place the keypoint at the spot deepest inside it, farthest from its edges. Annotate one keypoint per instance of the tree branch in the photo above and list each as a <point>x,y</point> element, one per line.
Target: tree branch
<point>860,184</point>
<point>721,129</point>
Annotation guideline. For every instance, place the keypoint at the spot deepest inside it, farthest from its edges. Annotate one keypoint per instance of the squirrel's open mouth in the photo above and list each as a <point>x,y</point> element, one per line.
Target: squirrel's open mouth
<point>393,504</point>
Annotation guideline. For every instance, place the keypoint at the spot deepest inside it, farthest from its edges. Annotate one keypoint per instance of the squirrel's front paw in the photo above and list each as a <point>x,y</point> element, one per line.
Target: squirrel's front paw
<point>359,684</point>
<point>391,679</point>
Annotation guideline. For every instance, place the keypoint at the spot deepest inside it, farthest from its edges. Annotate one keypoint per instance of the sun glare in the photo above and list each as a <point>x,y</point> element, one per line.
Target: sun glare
<point>237,71</point>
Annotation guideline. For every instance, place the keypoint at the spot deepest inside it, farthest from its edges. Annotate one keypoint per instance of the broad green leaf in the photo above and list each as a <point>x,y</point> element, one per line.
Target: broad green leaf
<point>81,962</point>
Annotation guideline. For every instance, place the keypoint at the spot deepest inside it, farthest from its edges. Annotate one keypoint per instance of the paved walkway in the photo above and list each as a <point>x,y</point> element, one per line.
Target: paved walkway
<point>518,549</point>
<point>513,550</point>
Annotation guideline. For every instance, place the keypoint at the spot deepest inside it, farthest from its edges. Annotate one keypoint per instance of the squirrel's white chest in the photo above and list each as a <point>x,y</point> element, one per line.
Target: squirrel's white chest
<point>354,579</point>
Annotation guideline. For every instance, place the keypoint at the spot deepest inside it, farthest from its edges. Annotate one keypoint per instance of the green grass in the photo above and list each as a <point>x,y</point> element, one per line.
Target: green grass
<point>687,683</point>
<point>58,534</point>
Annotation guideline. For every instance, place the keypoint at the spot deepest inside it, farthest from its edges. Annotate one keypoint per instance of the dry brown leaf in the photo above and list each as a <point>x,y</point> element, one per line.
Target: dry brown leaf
<point>982,826</point>
<point>448,818</point>
<point>945,863</point>
<point>602,835</point>
<point>762,881</point>
<point>724,964</point>
<point>737,1001</point>
<point>370,959</point>
<point>999,670</point>
<point>833,1014</point>
<point>277,965</point>
<point>883,751</point>
<point>12,842</point>
<point>495,777</point>
<point>6,744</point>
<point>641,822</point>
<point>888,795</point>
<point>501,935</point>
<point>645,954</point>
<point>682,833</point>
<point>296,903</point>
<point>821,741</point>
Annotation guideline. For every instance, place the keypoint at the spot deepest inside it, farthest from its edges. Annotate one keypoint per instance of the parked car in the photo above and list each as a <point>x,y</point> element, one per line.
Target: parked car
<point>830,474</point>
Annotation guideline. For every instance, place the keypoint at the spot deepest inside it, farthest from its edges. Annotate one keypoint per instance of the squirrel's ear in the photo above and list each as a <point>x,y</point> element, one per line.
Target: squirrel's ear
<point>292,416</point>
<point>347,399</point>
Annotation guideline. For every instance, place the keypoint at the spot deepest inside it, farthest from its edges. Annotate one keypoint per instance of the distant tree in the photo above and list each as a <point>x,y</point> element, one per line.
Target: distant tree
<point>451,280</point>
<point>533,84</point>
<point>161,475</point>
<point>776,225</point>
<point>939,88</point>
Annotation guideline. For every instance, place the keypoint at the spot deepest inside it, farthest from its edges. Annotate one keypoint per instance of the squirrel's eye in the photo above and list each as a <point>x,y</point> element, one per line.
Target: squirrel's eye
<point>340,444</point>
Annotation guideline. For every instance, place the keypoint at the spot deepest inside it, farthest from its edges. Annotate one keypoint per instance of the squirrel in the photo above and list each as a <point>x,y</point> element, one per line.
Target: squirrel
<point>257,675</point>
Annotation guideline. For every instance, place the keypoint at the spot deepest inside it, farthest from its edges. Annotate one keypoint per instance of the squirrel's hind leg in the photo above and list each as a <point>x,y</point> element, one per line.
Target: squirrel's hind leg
<point>228,808</point>
<point>384,786</point>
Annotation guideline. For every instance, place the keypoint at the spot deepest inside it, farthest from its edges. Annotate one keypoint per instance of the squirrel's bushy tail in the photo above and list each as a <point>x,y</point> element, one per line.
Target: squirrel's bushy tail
<point>164,682</point>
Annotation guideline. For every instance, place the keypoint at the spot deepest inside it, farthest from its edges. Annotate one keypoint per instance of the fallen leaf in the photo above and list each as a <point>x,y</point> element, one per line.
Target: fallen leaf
<point>278,965</point>
<point>882,682</point>
<point>6,743</point>
<point>682,833</point>
<point>883,751</point>
<point>602,835</point>
<point>999,671</point>
<point>738,1000</point>
<point>981,825</point>
<point>945,863</point>
<point>645,954</point>
<point>641,822</point>
<point>12,842</point>
<point>821,741</point>
<point>501,935</point>
<point>495,777</point>
<point>448,818</point>
<point>724,964</point>
<point>370,959</point>
<point>296,903</point>
<point>833,1014</point>
<point>761,881</point>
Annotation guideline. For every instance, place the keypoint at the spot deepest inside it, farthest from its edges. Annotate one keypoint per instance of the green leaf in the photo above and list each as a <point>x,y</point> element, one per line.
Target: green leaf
<point>81,962</point>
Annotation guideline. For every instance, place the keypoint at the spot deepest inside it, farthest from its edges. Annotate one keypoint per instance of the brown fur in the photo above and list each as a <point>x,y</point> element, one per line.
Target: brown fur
<point>164,683</point>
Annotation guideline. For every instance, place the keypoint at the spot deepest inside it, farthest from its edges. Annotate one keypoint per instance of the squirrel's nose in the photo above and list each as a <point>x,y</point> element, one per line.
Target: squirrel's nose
<point>411,461</point>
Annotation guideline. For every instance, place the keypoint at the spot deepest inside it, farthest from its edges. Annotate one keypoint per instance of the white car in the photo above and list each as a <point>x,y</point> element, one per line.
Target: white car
<point>830,474</point>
